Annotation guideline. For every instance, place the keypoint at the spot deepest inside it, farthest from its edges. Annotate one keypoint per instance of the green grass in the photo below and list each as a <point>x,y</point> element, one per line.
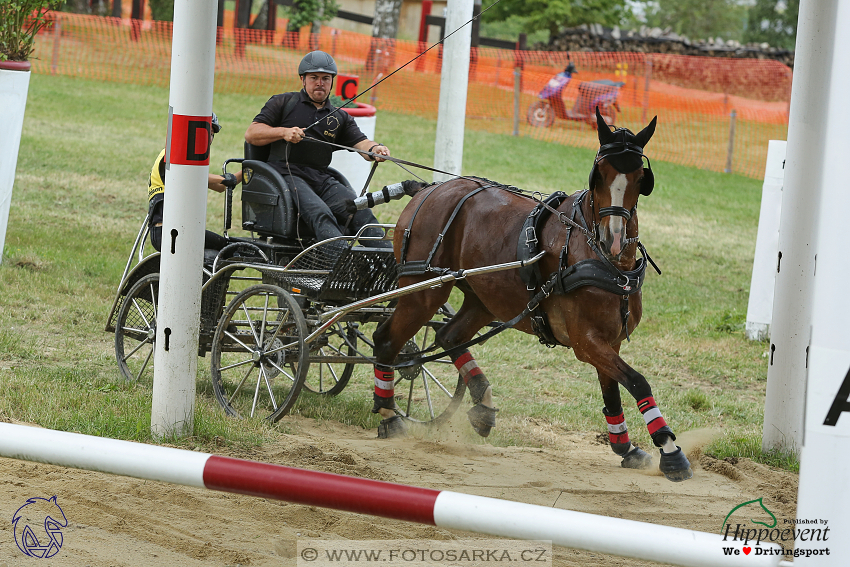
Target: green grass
<point>80,195</point>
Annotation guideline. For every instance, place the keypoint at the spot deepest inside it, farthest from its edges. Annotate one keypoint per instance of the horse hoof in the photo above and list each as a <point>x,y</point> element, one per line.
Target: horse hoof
<point>391,427</point>
<point>675,465</point>
<point>637,458</point>
<point>482,418</point>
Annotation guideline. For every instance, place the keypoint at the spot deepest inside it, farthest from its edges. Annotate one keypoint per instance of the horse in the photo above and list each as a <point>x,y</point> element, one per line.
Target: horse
<point>591,302</point>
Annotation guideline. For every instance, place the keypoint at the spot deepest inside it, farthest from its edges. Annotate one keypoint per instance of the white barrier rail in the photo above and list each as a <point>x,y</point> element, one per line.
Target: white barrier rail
<point>615,536</point>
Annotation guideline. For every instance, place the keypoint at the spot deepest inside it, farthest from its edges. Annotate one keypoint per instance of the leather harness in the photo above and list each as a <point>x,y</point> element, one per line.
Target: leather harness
<point>597,272</point>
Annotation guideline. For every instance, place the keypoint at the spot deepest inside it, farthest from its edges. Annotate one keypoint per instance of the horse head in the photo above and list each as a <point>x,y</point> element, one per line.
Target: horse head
<point>616,181</point>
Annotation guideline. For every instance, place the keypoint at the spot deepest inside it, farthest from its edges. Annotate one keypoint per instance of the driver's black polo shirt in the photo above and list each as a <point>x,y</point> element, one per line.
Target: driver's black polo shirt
<point>307,159</point>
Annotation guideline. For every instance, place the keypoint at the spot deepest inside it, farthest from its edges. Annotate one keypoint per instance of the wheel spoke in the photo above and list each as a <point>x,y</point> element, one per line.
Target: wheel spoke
<point>141,313</point>
<point>436,381</point>
<point>239,387</point>
<point>140,345</point>
<point>145,365</point>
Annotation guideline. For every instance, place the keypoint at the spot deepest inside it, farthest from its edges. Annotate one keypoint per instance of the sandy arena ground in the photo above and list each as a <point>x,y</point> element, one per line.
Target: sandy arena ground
<point>118,521</point>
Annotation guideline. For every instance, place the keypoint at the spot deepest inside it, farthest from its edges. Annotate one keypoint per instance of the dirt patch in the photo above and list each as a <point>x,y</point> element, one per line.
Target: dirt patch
<point>117,521</point>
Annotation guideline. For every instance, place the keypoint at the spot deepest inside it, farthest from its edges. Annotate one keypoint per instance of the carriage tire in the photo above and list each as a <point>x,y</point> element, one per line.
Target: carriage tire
<point>259,360</point>
<point>326,378</point>
<point>135,329</point>
<point>540,114</point>
<point>430,394</point>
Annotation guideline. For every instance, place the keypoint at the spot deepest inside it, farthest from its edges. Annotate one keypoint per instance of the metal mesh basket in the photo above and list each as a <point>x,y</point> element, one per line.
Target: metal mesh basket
<point>361,272</point>
<point>212,302</point>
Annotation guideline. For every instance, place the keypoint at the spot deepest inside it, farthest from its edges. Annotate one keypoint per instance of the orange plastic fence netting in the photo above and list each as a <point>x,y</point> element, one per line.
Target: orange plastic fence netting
<point>714,113</point>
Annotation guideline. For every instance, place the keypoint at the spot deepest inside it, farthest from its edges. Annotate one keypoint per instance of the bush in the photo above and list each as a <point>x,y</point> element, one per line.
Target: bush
<point>20,20</point>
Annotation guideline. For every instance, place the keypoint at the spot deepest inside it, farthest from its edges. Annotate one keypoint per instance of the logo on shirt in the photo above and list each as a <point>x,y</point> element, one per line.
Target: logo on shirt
<point>331,126</point>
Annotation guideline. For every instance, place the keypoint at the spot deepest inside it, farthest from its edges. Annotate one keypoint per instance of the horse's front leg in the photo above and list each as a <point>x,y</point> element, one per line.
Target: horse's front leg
<point>613,370</point>
<point>618,433</point>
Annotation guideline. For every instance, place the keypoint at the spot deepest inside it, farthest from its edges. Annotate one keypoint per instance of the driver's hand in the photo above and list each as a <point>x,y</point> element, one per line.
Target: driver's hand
<point>381,150</point>
<point>294,134</point>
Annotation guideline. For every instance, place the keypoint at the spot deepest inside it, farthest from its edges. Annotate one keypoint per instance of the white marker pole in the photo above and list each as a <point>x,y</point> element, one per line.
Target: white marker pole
<point>454,80</point>
<point>825,462</point>
<point>184,218</point>
<point>792,303</point>
<point>760,306</point>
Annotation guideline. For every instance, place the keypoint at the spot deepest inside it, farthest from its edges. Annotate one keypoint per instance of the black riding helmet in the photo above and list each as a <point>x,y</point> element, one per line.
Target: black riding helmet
<point>216,127</point>
<point>317,62</point>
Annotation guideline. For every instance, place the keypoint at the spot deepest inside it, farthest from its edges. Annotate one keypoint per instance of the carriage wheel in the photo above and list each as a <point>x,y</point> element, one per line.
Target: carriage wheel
<point>259,360</point>
<point>135,329</point>
<point>430,393</point>
<point>540,114</point>
<point>326,377</point>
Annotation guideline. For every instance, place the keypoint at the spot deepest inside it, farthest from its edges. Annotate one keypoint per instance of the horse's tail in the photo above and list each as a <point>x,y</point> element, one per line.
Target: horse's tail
<point>385,195</point>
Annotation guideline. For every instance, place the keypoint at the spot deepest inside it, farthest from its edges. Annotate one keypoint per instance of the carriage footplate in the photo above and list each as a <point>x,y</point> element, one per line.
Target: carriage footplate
<point>482,418</point>
<point>392,427</point>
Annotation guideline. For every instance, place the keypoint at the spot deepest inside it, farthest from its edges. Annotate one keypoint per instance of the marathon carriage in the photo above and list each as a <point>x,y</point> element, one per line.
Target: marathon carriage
<point>280,313</point>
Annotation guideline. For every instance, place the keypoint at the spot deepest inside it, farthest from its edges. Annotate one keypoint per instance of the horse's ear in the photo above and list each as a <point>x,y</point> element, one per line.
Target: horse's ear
<point>642,137</point>
<point>605,134</point>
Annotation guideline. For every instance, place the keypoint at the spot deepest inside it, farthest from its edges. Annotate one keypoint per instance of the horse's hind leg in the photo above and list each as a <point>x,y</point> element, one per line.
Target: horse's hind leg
<point>411,313</point>
<point>610,367</point>
<point>471,317</point>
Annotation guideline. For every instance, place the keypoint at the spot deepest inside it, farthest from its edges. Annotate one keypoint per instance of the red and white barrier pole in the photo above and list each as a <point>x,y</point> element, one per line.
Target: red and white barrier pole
<point>451,510</point>
<point>184,217</point>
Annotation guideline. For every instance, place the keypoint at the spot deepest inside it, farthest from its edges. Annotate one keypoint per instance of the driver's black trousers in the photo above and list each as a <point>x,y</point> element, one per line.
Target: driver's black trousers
<point>323,210</point>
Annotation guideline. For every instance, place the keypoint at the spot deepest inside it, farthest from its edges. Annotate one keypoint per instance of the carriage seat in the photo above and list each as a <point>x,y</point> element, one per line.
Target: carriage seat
<point>268,206</point>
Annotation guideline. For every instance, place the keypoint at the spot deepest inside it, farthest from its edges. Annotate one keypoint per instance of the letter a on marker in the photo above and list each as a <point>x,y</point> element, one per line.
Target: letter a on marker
<point>840,403</point>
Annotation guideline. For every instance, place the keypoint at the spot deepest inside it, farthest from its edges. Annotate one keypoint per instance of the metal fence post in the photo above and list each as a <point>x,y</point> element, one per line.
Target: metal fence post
<point>731,150</point>
<point>517,77</point>
<point>647,79</point>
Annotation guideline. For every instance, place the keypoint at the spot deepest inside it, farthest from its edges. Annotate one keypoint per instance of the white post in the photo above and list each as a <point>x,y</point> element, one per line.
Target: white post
<point>825,462</point>
<point>760,307</point>
<point>184,217</point>
<point>790,328</point>
<point>14,85</point>
<point>454,79</point>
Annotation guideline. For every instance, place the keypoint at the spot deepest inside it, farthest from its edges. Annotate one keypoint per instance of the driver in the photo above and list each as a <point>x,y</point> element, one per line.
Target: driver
<point>156,196</point>
<point>289,118</point>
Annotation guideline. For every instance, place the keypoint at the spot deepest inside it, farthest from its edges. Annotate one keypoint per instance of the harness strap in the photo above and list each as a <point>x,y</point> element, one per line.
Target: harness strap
<point>406,240</point>
<point>451,220</point>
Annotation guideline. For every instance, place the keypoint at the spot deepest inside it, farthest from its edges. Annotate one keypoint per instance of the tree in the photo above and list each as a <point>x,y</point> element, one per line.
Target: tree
<point>553,15</point>
<point>162,10</point>
<point>384,30</point>
<point>695,19</point>
<point>773,22</point>
<point>305,12</point>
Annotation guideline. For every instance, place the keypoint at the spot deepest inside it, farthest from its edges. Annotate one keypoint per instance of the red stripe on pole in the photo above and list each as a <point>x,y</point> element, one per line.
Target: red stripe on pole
<point>323,489</point>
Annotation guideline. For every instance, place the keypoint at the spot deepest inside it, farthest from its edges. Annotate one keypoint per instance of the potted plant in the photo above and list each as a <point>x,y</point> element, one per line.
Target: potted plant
<point>20,21</point>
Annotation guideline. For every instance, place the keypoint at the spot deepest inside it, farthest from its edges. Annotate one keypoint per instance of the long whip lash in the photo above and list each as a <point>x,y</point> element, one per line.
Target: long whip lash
<point>408,63</point>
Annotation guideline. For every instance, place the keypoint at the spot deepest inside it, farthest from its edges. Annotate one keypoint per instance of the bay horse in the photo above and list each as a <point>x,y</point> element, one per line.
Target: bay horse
<point>591,301</point>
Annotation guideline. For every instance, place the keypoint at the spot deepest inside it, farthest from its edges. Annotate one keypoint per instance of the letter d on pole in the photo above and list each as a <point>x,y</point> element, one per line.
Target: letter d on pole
<point>184,216</point>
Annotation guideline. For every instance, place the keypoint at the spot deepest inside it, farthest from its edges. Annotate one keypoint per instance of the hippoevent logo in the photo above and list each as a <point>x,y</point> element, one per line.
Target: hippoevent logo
<point>38,527</point>
<point>761,526</point>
